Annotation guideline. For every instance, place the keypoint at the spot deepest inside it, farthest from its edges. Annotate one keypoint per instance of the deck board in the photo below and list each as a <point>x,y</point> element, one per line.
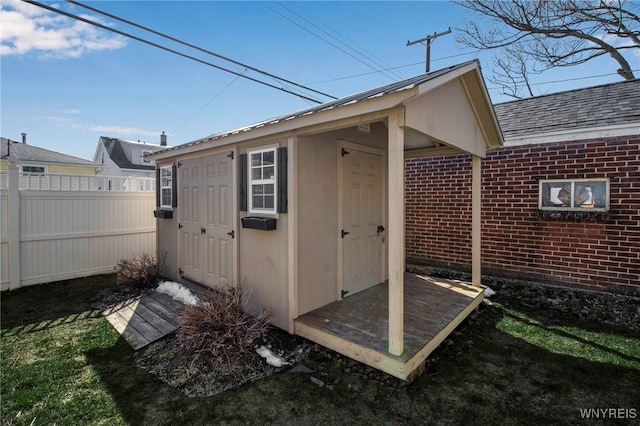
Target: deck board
<point>146,319</point>
<point>358,326</point>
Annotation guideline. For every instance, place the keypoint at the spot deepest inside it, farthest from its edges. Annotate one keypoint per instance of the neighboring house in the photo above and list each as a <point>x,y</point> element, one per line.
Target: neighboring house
<point>306,213</point>
<point>560,201</point>
<point>37,164</point>
<point>120,157</point>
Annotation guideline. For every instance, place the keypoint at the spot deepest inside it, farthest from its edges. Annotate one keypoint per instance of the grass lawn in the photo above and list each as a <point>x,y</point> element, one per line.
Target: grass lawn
<point>62,363</point>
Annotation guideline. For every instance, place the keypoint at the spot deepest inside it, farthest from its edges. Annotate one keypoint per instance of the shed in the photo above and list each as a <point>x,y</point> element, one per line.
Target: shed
<point>306,211</point>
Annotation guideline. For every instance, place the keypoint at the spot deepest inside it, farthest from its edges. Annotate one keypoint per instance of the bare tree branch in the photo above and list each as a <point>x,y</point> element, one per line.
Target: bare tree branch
<point>550,34</point>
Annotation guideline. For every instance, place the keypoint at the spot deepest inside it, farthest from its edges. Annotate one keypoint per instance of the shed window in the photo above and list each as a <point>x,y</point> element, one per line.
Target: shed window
<point>262,181</point>
<point>574,195</point>
<point>166,187</point>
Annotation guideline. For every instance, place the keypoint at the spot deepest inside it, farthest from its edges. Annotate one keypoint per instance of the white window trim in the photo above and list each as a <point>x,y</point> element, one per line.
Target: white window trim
<point>274,181</point>
<point>44,174</point>
<point>142,155</point>
<point>573,183</point>
<point>170,187</point>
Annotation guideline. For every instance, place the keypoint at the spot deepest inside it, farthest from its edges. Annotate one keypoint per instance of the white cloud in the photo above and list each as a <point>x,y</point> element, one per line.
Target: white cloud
<point>116,130</point>
<point>30,29</point>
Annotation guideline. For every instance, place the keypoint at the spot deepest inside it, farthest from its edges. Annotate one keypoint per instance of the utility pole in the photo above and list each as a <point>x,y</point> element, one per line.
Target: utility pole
<point>428,39</point>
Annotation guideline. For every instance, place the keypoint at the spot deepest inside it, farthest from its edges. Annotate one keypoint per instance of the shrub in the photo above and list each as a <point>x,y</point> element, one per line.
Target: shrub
<point>219,330</point>
<point>141,272</point>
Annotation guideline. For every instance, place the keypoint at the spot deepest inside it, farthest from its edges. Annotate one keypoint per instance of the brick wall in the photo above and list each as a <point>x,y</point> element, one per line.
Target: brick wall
<point>600,253</point>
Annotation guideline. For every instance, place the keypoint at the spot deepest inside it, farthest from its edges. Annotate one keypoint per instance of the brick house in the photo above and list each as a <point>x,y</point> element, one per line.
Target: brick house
<point>587,138</point>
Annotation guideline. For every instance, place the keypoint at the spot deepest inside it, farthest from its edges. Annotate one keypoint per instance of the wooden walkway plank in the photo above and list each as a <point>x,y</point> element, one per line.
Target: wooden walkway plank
<point>155,320</point>
<point>146,319</point>
<point>171,314</point>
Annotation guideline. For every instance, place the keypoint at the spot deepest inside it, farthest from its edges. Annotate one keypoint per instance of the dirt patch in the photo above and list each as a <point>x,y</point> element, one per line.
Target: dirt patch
<point>555,303</point>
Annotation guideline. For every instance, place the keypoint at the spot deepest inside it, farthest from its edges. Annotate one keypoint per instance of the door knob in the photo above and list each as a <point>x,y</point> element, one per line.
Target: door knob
<point>380,229</point>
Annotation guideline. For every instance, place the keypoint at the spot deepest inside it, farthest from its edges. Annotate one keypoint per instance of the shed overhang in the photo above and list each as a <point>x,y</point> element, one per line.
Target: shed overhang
<point>449,108</point>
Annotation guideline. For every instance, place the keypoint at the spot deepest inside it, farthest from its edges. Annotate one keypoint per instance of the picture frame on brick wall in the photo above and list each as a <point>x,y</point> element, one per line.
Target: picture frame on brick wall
<point>577,195</point>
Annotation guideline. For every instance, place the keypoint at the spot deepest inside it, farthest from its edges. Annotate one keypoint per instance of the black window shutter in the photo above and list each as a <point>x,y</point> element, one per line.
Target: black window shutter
<point>282,180</point>
<point>174,186</point>
<point>242,180</point>
<point>157,188</point>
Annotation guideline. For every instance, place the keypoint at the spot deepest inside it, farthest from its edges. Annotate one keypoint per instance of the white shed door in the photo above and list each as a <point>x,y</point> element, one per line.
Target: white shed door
<point>206,220</point>
<point>363,233</point>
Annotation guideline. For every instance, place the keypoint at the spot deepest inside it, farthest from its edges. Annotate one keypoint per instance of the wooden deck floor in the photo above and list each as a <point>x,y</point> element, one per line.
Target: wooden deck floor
<point>358,326</point>
<point>148,318</point>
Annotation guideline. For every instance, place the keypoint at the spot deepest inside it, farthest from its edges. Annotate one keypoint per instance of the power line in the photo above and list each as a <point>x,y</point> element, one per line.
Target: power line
<point>371,57</point>
<point>142,27</point>
<point>569,79</point>
<point>150,43</point>
<point>325,40</point>
<point>208,102</point>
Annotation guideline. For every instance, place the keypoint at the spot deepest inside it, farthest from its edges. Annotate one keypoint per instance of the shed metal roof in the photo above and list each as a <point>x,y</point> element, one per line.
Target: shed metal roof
<point>598,106</point>
<point>30,153</point>
<point>399,86</point>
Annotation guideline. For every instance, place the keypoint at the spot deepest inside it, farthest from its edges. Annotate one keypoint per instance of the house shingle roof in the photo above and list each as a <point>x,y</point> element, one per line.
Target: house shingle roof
<point>118,156</point>
<point>30,153</point>
<point>598,106</point>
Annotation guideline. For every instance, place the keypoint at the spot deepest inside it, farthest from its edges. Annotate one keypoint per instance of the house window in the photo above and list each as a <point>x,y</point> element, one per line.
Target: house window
<point>33,170</point>
<point>102,157</point>
<point>144,158</point>
<point>166,187</point>
<point>574,195</point>
<point>262,181</point>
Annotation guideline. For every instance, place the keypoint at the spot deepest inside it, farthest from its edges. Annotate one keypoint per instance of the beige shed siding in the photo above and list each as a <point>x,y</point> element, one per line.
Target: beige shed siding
<point>318,211</point>
<point>445,114</point>
<point>262,258</point>
<point>263,269</point>
<point>317,222</point>
<point>167,240</point>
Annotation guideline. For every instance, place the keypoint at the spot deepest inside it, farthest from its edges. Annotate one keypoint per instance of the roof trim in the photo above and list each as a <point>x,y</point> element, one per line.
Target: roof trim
<point>573,135</point>
<point>304,121</point>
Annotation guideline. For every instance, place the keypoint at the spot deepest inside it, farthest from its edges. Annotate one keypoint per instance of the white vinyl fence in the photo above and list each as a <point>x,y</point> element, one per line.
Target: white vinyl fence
<point>60,227</point>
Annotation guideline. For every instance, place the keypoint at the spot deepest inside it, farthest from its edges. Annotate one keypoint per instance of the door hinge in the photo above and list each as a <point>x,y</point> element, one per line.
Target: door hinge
<point>180,226</point>
<point>230,155</point>
<point>179,164</point>
<point>232,234</point>
<point>344,152</point>
<point>344,233</point>
<point>180,271</point>
<point>343,293</point>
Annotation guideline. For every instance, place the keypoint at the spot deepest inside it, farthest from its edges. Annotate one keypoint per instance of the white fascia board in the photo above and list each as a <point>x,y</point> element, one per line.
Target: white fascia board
<point>575,134</point>
<point>299,125</point>
<point>446,77</point>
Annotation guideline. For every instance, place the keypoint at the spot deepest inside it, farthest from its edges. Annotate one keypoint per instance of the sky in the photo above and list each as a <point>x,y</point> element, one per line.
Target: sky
<point>66,83</point>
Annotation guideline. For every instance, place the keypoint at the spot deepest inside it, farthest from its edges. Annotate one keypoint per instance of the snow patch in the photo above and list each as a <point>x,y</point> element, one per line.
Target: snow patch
<point>178,292</point>
<point>488,292</point>
<point>272,359</point>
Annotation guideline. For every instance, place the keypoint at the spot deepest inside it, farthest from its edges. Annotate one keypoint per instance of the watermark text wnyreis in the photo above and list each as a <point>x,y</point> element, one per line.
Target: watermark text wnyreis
<point>608,413</point>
